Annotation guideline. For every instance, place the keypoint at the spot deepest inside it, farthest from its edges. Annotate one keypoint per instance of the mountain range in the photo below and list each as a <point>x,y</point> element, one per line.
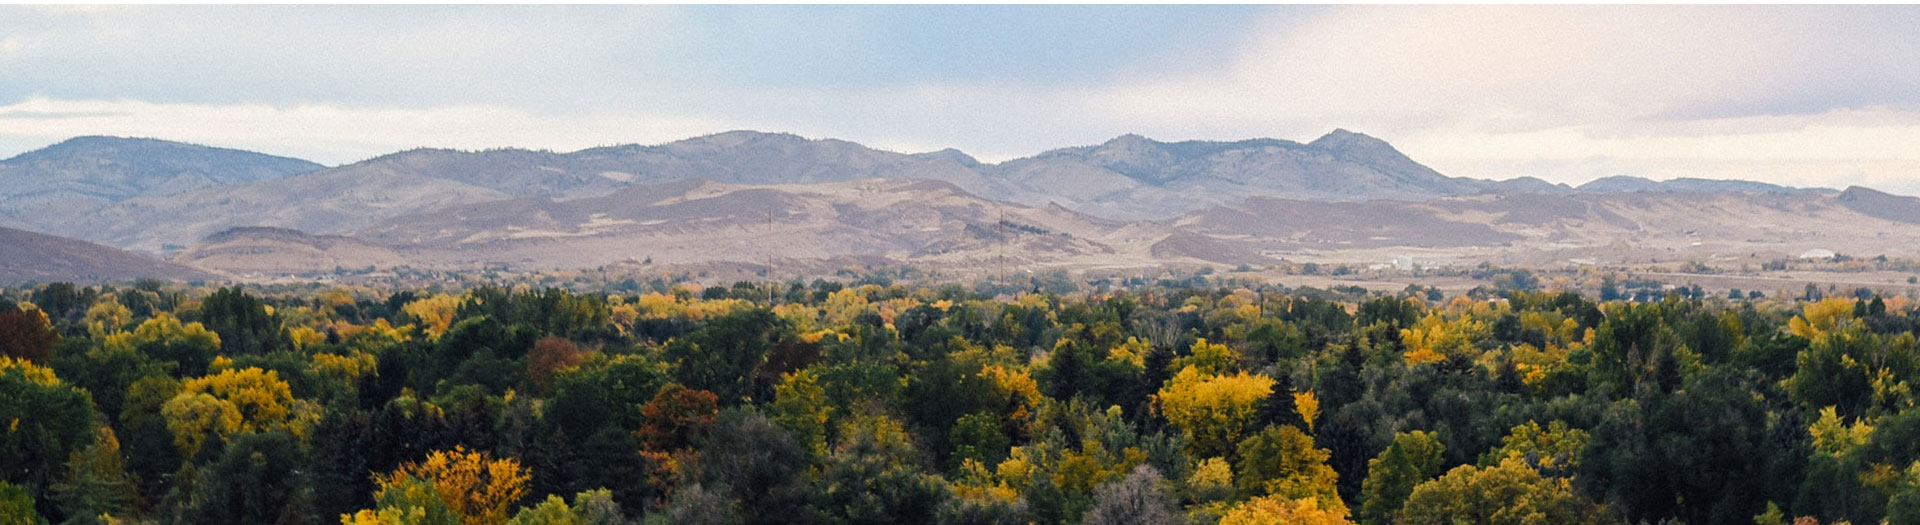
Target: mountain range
<point>748,196</point>
<point>90,172</point>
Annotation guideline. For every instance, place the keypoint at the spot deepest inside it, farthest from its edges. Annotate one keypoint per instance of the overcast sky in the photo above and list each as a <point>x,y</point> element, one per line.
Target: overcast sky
<point>1826,96</point>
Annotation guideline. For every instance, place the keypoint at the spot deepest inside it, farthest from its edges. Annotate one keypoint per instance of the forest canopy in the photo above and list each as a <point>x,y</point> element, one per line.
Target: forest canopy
<point>826,402</point>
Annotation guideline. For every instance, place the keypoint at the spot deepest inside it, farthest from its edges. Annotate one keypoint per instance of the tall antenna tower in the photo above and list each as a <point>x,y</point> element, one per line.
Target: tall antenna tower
<point>772,283</point>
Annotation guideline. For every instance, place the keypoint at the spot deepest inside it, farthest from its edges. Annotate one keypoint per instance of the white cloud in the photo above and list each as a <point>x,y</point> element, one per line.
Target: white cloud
<point>1807,96</point>
<point>1529,67</point>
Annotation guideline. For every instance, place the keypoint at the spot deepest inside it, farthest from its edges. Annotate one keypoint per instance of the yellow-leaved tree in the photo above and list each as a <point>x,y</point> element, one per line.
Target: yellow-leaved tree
<point>1283,461</point>
<point>473,485</point>
<point>1214,411</point>
<point>1821,318</point>
<point>435,313</point>
<point>1281,510</point>
<point>107,316</point>
<point>800,405</point>
<point>1435,337</point>
<point>235,402</point>
<point>1555,448</point>
<point>1211,358</point>
<point>1510,492</point>
<point>1016,390</point>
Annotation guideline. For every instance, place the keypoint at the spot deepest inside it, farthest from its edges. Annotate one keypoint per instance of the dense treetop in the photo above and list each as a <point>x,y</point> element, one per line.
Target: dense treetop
<point>878,403</point>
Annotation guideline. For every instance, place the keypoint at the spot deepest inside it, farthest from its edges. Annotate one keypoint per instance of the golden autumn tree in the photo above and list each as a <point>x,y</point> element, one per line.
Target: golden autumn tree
<point>435,313</point>
<point>195,419</point>
<point>1281,510</point>
<point>1074,469</point>
<point>1016,390</point>
<point>1211,477</point>
<point>1554,448</point>
<point>1821,318</point>
<point>1282,460</point>
<point>191,346</point>
<point>339,373</point>
<point>474,485</point>
<point>107,316</point>
<point>1214,411</point>
<point>1436,337</point>
<point>1308,406</point>
<point>234,402</point>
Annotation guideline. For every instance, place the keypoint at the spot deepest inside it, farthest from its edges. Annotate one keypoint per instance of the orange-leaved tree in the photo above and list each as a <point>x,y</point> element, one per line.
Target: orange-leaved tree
<point>27,335</point>
<point>675,419</point>
<point>549,356</point>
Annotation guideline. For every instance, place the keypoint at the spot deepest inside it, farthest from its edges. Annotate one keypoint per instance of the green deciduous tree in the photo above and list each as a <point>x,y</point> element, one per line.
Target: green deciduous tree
<point>406,500</point>
<point>1710,452</point>
<point>42,422</point>
<point>1830,372</point>
<point>759,462</point>
<point>256,479</point>
<point>721,356</point>
<point>16,506</point>
<point>873,478</point>
<point>1412,459</point>
<point>189,346</point>
<point>96,481</point>
<point>245,325</point>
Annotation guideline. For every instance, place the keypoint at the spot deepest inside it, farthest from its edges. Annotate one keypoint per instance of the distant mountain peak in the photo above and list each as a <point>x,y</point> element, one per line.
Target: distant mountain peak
<point>1856,192</point>
<point>1619,183</point>
<point>85,140</point>
<point>93,144</point>
<point>108,144</point>
<point>1632,184</point>
<point>83,173</point>
<point>1341,140</point>
<point>1130,139</point>
<point>951,154</point>
<point>742,136</point>
<point>94,140</point>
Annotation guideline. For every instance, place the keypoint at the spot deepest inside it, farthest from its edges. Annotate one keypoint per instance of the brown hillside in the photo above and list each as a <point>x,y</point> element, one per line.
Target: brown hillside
<point>34,257</point>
